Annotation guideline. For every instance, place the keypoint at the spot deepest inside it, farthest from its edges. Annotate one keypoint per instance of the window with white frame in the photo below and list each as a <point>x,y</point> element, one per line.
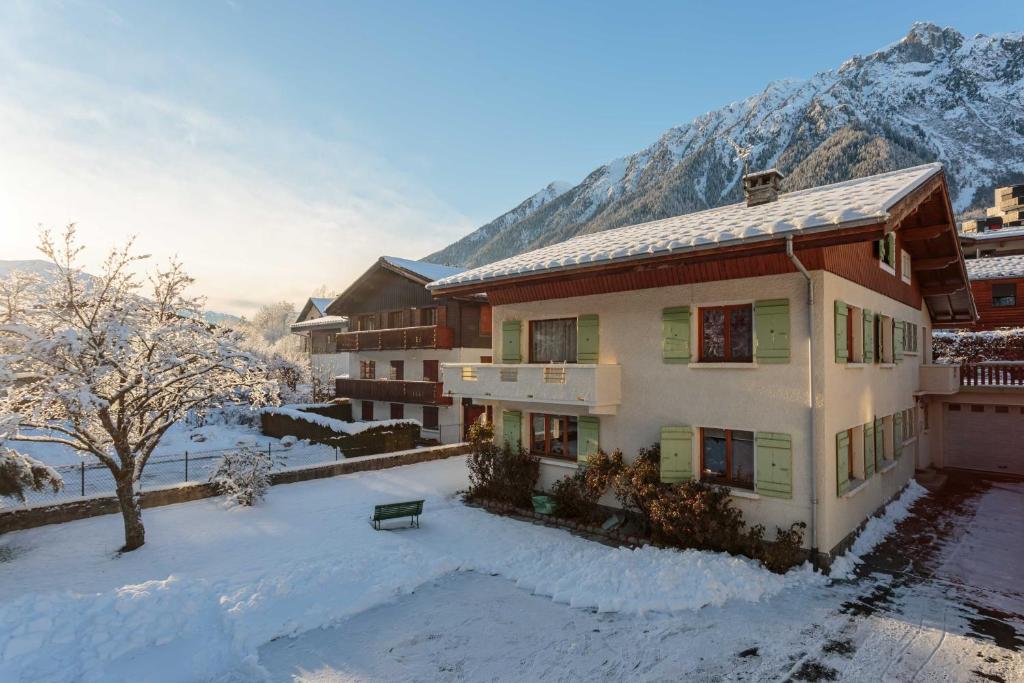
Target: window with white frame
<point>905,266</point>
<point>854,334</point>
<point>885,338</point>
<point>911,336</point>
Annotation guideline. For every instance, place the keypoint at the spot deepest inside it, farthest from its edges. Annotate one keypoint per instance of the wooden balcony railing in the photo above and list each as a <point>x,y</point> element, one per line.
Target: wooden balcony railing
<point>393,391</point>
<point>421,337</point>
<point>992,374</point>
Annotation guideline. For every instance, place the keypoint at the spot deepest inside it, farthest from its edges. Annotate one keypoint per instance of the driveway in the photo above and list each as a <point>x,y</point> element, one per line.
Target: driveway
<point>940,600</point>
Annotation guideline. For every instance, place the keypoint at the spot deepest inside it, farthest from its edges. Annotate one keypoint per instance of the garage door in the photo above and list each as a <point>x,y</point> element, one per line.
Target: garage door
<point>984,437</point>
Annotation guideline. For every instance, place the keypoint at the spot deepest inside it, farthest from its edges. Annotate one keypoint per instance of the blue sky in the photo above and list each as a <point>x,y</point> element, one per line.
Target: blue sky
<point>249,136</point>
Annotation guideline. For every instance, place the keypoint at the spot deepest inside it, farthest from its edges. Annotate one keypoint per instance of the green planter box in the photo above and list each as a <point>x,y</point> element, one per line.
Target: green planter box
<point>544,505</point>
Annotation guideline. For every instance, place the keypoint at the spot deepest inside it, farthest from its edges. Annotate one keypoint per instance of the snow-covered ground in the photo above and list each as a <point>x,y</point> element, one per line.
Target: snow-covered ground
<point>468,596</point>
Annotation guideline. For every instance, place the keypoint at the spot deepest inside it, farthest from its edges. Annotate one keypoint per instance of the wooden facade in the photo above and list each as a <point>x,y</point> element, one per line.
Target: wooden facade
<point>992,316</point>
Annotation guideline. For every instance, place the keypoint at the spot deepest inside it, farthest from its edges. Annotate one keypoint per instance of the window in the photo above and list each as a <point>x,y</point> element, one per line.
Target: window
<point>367,322</point>
<point>977,408</point>
<point>885,337</point>
<point>911,335</point>
<point>397,411</point>
<point>430,417</point>
<point>367,410</point>
<point>854,334</point>
<point>889,437</point>
<point>428,316</point>
<point>397,370</point>
<point>553,436</point>
<point>1004,295</point>
<point>727,334</point>
<point>396,319</point>
<point>727,457</point>
<point>954,407</point>
<point>367,369</point>
<point>905,266</point>
<point>486,359</point>
<point>431,371</point>
<point>886,248</point>
<point>1002,409</point>
<point>553,341</point>
<point>485,320</point>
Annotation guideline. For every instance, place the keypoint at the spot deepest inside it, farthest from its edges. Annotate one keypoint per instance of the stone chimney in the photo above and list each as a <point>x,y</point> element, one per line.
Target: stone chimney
<point>762,187</point>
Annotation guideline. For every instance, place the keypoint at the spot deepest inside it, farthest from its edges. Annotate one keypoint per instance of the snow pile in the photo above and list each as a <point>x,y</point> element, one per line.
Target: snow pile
<point>212,585</point>
<point>876,530</point>
<point>335,425</point>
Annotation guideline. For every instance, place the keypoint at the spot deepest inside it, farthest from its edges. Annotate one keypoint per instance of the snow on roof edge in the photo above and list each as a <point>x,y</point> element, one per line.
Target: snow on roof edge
<point>769,220</point>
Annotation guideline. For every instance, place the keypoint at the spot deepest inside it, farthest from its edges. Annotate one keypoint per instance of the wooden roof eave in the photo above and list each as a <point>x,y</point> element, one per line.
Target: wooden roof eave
<point>859,231</point>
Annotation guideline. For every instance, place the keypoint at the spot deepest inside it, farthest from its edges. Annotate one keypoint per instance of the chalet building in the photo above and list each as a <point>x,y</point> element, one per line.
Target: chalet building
<point>1001,231</point>
<point>317,331</point>
<point>997,283</point>
<point>399,335</point>
<point>780,346</point>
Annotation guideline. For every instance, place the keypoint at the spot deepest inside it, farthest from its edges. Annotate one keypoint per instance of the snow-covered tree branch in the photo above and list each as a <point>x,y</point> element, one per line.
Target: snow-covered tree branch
<point>105,365</point>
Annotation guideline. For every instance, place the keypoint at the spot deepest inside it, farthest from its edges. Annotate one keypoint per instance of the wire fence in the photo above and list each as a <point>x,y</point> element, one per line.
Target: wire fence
<point>169,469</point>
<point>93,479</point>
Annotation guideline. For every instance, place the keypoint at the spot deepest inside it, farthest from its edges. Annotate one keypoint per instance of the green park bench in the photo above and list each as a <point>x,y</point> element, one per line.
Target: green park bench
<point>412,508</point>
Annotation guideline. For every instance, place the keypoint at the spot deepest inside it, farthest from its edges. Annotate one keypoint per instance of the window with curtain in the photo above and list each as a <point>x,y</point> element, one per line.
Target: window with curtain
<point>727,334</point>
<point>727,457</point>
<point>553,436</point>
<point>553,341</point>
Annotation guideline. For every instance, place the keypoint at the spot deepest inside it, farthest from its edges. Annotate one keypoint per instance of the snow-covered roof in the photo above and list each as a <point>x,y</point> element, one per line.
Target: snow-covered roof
<point>321,303</point>
<point>429,271</point>
<point>1002,233</point>
<point>853,202</point>
<point>323,321</point>
<point>995,267</point>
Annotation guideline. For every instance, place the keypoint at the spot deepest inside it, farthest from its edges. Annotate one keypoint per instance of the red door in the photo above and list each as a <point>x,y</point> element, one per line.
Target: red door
<point>470,414</point>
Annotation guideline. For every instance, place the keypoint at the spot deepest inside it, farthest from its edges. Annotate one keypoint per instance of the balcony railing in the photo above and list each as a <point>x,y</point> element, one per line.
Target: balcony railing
<point>939,379</point>
<point>393,391</point>
<point>421,337</point>
<point>598,387</point>
<point>992,374</point>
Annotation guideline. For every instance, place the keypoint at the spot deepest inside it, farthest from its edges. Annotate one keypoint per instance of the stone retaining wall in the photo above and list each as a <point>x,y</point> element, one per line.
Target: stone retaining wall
<point>15,519</point>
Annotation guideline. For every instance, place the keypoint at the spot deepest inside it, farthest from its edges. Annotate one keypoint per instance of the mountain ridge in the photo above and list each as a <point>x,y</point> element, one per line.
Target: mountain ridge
<point>917,100</point>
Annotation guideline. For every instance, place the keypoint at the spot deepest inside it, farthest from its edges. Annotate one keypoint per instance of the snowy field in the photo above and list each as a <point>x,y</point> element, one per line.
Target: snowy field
<point>302,586</point>
<point>167,466</point>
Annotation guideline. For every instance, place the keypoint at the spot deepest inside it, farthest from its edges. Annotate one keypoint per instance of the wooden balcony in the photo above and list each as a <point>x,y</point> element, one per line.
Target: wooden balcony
<point>420,337</point>
<point>393,391</point>
<point>992,374</point>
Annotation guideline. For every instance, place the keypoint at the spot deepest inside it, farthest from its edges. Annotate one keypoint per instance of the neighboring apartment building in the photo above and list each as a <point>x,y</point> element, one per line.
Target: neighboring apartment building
<point>743,339</point>
<point>397,339</point>
<point>317,330</point>
<point>1001,231</point>
<point>998,286</point>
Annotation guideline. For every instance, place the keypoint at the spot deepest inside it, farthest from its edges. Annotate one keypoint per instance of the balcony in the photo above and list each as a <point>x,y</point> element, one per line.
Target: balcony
<point>421,337</point>
<point>392,391</point>
<point>595,387</point>
<point>939,379</point>
<point>1001,374</point>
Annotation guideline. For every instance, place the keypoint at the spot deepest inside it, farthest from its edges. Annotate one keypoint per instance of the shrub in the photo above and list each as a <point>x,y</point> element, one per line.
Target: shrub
<point>243,476</point>
<point>638,484</point>
<point>502,474</point>
<point>693,514</point>
<point>577,496</point>
<point>480,433</point>
<point>786,552</point>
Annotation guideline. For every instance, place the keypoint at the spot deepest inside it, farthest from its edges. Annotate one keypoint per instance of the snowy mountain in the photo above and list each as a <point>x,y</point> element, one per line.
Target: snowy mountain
<point>934,95</point>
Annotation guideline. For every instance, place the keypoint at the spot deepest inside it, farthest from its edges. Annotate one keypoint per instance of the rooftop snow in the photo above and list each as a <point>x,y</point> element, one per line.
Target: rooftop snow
<point>324,321</point>
<point>828,206</point>
<point>430,271</point>
<point>321,304</point>
<point>995,267</point>
<point>1001,233</point>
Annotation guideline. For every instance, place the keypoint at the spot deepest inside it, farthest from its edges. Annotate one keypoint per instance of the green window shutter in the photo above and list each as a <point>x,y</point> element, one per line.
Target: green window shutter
<point>511,428</point>
<point>897,435</point>
<point>890,249</point>
<point>771,327</point>
<point>842,463</point>
<point>869,450</point>
<point>588,436</point>
<point>586,339</point>
<point>675,335</point>
<point>842,353</point>
<point>510,340</point>
<point>897,340</point>
<point>879,442</point>
<point>869,337</point>
<point>676,454</point>
<point>774,465</point>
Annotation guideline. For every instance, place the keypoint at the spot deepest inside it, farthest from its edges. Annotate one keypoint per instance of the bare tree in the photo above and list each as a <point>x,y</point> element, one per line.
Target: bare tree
<point>17,290</point>
<point>106,371</point>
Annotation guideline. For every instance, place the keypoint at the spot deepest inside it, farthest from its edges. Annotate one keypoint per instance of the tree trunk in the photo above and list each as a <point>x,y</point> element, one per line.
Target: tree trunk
<point>131,512</point>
